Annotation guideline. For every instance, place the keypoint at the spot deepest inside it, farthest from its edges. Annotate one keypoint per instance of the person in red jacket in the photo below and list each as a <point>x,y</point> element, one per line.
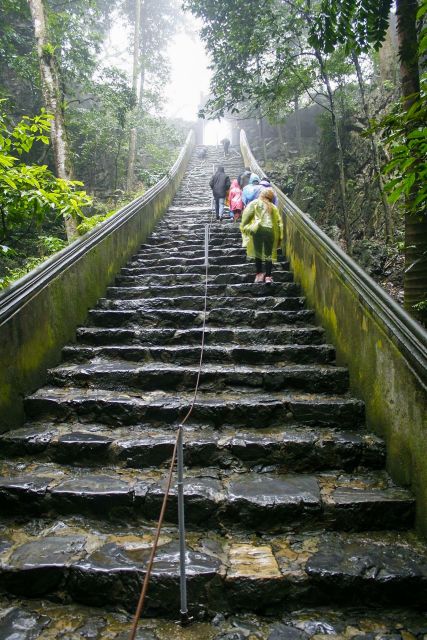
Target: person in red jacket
<point>236,202</point>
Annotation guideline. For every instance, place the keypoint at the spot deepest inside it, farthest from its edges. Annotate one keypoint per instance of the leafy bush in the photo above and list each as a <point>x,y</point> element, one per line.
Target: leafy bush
<point>30,192</point>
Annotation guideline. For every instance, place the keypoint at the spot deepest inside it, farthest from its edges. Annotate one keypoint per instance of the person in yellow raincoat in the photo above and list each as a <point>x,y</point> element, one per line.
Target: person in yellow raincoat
<point>262,233</point>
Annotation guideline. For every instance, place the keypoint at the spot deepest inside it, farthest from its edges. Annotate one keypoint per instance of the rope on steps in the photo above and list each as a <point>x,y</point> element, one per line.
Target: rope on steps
<point>177,451</point>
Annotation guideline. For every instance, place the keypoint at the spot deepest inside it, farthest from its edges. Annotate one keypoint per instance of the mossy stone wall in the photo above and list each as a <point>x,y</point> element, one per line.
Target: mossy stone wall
<point>394,395</point>
<point>392,385</point>
<point>32,338</point>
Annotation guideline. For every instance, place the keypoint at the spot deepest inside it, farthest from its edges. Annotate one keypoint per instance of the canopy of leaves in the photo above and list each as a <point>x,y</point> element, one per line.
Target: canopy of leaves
<point>357,24</point>
<point>405,133</point>
<point>30,192</point>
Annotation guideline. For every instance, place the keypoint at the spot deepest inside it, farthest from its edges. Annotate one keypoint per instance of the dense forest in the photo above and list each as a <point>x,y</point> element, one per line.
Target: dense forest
<point>333,95</point>
<point>79,134</point>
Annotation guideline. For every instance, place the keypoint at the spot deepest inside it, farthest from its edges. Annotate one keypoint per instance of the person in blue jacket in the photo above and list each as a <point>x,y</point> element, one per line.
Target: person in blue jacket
<point>251,191</point>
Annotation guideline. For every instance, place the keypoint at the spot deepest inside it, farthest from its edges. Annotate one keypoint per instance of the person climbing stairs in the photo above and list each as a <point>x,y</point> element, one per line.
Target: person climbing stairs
<point>288,504</point>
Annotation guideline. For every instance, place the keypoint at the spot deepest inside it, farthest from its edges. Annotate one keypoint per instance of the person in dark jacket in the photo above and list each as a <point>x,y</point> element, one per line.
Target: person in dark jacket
<point>220,184</point>
<point>225,145</point>
<point>243,179</point>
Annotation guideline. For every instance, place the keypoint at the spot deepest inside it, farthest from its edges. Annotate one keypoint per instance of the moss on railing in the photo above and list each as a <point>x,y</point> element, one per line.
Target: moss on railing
<point>40,312</point>
<point>383,347</point>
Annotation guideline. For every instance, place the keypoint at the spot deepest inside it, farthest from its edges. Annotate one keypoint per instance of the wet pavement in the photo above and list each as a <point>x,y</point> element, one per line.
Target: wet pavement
<point>291,515</point>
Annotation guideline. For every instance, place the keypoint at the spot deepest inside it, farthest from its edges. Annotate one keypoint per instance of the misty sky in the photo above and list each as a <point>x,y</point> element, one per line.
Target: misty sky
<point>189,76</point>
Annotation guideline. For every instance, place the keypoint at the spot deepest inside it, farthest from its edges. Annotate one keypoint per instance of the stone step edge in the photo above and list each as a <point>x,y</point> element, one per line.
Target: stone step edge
<point>301,449</point>
<point>223,576</point>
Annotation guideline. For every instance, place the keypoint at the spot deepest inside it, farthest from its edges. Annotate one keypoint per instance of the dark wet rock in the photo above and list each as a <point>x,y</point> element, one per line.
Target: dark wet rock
<point>40,567</point>
<point>218,620</point>
<point>203,496</point>
<point>269,501</point>
<point>92,628</point>
<point>28,440</point>
<point>113,575</point>
<point>392,508</point>
<point>285,632</point>
<point>26,491</point>
<point>20,624</point>
<point>314,627</point>
<point>81,446</point>
<point>231,635</point>
<point>395,573</point>
<point>141,634</point>
<point>143,451</point>
<point>94,494</point>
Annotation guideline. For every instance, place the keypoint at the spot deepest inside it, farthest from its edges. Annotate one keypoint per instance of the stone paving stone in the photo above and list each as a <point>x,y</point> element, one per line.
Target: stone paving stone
<point>280,473</point>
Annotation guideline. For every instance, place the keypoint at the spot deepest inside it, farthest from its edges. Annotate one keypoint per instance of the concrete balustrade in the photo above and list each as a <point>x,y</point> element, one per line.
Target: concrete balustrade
<point>383,347</point>
<point>40,312</point>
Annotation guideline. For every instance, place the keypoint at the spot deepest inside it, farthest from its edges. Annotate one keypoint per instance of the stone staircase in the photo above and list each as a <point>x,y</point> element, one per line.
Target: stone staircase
<point>288,504</point>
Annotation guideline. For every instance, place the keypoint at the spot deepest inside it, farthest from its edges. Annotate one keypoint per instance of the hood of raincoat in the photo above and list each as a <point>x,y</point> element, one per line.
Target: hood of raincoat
<point>254,179</point>
<point>235,184</point>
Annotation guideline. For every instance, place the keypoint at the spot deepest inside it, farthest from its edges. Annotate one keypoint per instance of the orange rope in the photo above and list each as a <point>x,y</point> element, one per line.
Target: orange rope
<point>169,481</point>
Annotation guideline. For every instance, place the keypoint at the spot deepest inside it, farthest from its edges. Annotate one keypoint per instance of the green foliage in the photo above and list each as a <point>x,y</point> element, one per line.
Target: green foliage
<point>89,223</point>
<point>260,58</point>
<point>45,247</point>
<point>51,244</point>
<point>404,132</point>
<point>357,24</point>
<point>28,193</point>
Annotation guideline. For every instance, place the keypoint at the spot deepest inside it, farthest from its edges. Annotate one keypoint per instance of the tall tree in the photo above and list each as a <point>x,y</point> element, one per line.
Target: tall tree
<point>254,61</point>
<point>388,225</point>
<point>136,91</point>
<point>365,23</point>
<point>415,281</point>
<point>53,100</point>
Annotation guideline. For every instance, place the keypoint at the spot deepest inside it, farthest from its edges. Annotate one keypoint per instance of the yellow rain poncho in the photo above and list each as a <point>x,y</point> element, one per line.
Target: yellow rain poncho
<point>262,229</point>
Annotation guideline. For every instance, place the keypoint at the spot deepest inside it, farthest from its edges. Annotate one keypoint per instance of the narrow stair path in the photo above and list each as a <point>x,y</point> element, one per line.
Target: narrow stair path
<point>288,503</point>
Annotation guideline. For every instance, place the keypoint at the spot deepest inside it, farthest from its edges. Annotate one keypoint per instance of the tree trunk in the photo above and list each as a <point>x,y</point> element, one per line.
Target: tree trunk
<point>415,277</point>
<point>283,144</point>
<point>297,126</point>
<point>375,152</point>
<point>52,97</point>
<point>135,77</point>
<point>261,135</point>
<point>338,145</point>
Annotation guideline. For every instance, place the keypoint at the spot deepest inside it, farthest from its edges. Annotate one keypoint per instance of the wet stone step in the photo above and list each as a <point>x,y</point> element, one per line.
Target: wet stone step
<point>198,289</point>
<point>237,259</point>
<point>44,620</point>
<point>194,303</point>
<point>294,449</point>
<point>191,252</point>
<point>166,244</point>
<point>247,409</point>
<point>187,318</point>
<point>220,354</point>
<point>95,566</point>
<point>247,501</point>
<point>134,276</point>
<point>290,336</point>
<point>214,269</point>
<point>118,375</point>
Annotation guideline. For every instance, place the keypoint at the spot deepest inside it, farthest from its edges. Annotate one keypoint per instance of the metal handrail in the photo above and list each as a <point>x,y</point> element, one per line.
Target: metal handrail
<point>21,291</point>
<point>402,329</point>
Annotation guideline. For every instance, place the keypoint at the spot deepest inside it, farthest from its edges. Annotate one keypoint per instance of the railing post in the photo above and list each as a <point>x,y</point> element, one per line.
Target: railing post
<point>206,262</point>
<point>181,523</point>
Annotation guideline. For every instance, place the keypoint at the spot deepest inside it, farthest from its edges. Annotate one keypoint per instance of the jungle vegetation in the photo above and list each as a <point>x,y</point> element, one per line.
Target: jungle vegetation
<point>362,65</point>
<point>79,136</point>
